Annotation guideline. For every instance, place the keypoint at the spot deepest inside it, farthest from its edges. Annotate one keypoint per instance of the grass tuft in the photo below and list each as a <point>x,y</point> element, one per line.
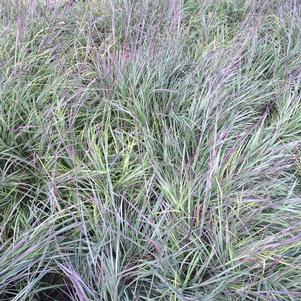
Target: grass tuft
<point>150,150</point>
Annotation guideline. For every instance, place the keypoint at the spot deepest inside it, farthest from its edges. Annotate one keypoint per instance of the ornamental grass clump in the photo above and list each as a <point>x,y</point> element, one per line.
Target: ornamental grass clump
<point>150,150</point>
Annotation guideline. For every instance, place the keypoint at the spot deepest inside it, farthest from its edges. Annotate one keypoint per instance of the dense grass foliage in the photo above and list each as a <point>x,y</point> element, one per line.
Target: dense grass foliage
<point>150,150</point>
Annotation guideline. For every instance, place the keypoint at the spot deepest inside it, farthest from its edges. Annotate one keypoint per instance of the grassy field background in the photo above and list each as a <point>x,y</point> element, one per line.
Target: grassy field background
<point>150,150</point>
